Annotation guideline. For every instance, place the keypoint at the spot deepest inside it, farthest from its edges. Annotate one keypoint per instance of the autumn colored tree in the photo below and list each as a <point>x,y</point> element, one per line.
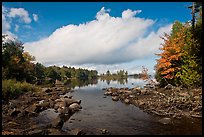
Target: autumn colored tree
<point>178,60</point>
<point>144,73</point>
<point>170,62</point>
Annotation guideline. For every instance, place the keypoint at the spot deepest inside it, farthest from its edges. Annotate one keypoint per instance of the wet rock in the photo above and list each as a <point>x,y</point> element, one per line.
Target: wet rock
<point>59,89</point>
<point>196,116</point>
<point>44,105</point>
<point>136,89</point>
<point>144,91</point>
<point>76,132</point>
<point>141,102</point>
<point>38,132</point>
<point>57,122</point>
<point>15,112</point>
<point>68,96</point>
<point>127,101</point>
<point>197,98</point>
<point>108,93</point>
<point>51,103</point>
<point>75,107</point>
<point>54,131</point>
<point>71,101</point>
<point>47,90</point>
<point>32,109</point>
<point>114,94</point>
<point>104,131</point>
<point>115,98</point>
<point>184,94</point>
<point>169,86</point>
<point>127,92</point>
<point>61,105</point>
<point>63,110</point>
<point>165,120</point>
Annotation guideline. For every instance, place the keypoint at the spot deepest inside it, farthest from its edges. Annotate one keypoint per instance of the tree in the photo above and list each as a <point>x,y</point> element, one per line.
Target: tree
<point>195,8</point>
<point>170,62</point>
<point>108,73</point>
<point>39,71</point>
<point>144,74</point>
<point>16,63</point>
<point>178,63</point>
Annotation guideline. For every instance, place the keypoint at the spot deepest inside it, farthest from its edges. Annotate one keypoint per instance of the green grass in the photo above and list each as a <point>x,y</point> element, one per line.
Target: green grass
<point>12,88</point>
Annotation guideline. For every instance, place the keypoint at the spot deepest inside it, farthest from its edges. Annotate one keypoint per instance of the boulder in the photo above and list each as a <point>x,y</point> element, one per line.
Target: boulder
<point>15,112</point>
<point>107,93</point>
<point>184,94</point>
<point>115,98</point>
<point>127,101</point>
<point>60,105</point>
<point>38,132</point>
<point>143,91</point>
<point>47,90</point>
<point>57,122</point>
<point>44,105</point>
<point>165,120</point>
<point>140,102</point>
<point>127,92</point>
<point>71,101</point>
<point>76,131</point>
<point>75,107</point>
<point>169,86</point>
<point>136,89</point>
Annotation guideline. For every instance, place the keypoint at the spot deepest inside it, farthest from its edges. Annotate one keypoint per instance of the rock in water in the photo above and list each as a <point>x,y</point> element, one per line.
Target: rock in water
<point>57,122</point>
<point>165,120</point>
<point>115,98</point>
<point>76,131</point>
<point>75,107</point>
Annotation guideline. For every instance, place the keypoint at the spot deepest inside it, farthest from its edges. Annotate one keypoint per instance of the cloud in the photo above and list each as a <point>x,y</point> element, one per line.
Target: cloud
<point>103,41</point>
<point>16,28</point>
<point>6,24</point>
<point>129,13</point>
<point>35,17</point>
<point>22,13</point>
<point>9,16</point>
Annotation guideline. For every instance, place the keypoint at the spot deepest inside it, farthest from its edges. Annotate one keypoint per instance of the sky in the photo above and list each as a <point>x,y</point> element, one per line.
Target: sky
<point>93,35</point>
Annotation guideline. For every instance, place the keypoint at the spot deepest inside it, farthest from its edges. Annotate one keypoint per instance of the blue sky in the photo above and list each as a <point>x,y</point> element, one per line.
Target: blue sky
<point>77,17</point>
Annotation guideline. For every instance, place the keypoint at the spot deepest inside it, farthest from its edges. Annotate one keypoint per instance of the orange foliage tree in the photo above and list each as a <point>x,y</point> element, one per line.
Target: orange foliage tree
<point>172,50</point>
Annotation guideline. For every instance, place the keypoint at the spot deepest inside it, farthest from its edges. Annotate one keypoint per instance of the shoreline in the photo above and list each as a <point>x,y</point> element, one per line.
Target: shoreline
<point>18,113</point>
<point>170,101</point>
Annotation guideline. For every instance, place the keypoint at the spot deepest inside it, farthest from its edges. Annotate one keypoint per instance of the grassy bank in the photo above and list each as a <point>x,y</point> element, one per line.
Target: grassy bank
<point>12,89</point>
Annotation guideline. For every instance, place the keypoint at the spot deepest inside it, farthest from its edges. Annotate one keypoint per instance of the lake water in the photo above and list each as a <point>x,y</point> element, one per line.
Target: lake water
<point>100,112</point>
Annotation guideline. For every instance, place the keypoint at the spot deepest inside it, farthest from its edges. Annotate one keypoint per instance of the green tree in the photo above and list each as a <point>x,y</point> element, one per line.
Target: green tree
<point>16,64</point>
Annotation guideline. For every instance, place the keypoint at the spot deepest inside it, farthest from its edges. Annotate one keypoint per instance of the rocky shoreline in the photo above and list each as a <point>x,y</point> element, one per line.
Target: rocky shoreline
<point>18,114</point>
<point>174,102</point>
<point>170,102</point>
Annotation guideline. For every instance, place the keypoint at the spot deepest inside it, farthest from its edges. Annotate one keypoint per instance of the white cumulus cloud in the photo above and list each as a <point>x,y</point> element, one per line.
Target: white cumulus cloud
<point>22,13</point>
<point>129,13</point>
<point>11,15</point>
<point>105,40</point>
<point>35,17</point>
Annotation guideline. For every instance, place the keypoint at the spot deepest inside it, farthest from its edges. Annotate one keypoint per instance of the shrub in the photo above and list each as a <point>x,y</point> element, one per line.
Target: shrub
<point>12,89</point>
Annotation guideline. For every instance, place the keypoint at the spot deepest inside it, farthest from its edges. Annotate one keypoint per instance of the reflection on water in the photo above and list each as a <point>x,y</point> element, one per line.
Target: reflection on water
<point>128,82</point>
<point>72,83</point>
<point>99,111</point>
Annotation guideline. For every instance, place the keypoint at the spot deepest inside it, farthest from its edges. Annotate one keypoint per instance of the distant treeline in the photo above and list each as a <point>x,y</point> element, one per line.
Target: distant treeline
<point>19,65</point>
